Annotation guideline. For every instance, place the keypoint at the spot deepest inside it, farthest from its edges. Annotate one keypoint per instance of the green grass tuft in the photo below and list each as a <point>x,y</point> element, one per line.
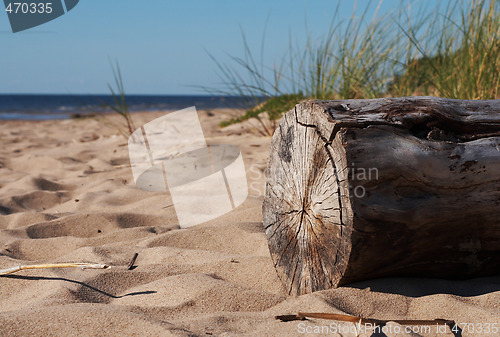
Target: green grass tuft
<point>274,107</point>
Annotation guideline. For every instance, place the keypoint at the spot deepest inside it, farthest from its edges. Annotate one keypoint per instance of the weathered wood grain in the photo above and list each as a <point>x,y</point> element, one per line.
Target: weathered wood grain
<point>361,189</point>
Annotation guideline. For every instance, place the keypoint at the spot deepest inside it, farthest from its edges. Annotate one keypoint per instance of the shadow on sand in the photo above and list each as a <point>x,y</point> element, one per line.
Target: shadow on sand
<point>81,284</point>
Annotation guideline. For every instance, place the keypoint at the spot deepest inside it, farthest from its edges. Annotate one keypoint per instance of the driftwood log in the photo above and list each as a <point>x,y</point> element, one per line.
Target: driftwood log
<point>362,189</point>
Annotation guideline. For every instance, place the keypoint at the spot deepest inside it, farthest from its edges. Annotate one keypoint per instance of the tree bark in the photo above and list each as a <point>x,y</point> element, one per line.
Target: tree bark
<point>362,189</point>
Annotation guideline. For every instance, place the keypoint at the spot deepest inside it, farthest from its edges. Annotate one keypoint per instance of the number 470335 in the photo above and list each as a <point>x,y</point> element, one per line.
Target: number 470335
<point>32,8</point>
<point>476,328</point>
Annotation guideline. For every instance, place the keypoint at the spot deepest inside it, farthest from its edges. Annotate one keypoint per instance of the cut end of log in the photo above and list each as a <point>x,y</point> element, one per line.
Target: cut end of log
<point>307,222</point>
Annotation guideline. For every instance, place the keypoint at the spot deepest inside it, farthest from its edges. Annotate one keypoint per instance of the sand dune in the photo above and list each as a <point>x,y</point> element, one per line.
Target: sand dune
<point>67,195</point>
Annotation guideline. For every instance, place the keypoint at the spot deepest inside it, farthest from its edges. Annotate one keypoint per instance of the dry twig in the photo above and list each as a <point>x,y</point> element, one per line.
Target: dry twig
<point>53,265</point>
<point>362,321</point>
<point>131,264</point>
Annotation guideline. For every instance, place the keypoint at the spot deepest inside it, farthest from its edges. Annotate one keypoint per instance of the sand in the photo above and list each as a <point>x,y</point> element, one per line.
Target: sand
<point>67,195</point>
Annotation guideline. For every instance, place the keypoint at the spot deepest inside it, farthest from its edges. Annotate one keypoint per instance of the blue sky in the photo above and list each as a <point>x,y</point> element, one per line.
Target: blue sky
<point>160,44</point>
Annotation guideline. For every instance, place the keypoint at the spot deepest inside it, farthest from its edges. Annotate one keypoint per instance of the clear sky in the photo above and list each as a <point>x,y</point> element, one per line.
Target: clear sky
<point>161,45</point>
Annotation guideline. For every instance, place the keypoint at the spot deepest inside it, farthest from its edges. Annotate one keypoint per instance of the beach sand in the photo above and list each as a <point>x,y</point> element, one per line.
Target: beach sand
<point>67,195</point>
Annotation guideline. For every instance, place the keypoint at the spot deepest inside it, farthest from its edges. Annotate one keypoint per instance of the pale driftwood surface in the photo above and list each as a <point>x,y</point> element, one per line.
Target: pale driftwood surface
<point>432,210</point>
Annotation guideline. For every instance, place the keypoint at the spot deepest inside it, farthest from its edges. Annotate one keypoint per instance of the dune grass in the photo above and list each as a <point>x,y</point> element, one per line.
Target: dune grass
<point>119,104</point>
<point>454,53</point>
<point>459,54</point>
<point>348,62</point>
